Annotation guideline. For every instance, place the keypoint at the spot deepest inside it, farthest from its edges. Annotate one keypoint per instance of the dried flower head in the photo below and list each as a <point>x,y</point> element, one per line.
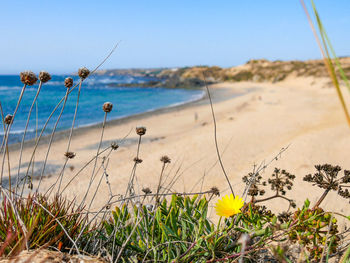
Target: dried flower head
<point>281,181</point>
<point>8,119</point>
<point>83,73</point>
<point>327,177</point>
<point>137,160</point>
<point>44,76</point>
<point>28,78</point>
<point>141,130</point>
<point>68,82</point>
<point>147,190</point>
<point>107,107</point>
<point>259,209</point>
<point>284,217</point>
<point>229,205</point>
<point>165,159</point>
<point>254,181</point>
<point>215,191</point>
<point>69,155</point>
<point>114,146</point>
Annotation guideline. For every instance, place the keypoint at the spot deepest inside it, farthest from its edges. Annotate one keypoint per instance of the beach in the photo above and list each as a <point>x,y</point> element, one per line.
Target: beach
<point>255,121</point>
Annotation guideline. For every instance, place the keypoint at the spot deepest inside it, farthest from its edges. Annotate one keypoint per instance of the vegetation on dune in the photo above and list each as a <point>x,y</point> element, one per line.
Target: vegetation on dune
<point>256,70</point>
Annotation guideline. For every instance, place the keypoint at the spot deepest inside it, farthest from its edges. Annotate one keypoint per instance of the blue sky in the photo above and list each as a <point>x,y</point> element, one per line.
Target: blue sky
<point>61,36</point>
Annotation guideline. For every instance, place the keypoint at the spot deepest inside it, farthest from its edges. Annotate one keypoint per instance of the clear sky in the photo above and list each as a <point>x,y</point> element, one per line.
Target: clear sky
<point>61,36</point>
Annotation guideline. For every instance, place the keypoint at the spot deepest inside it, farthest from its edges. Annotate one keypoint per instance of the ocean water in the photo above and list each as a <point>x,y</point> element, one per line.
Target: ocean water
<point>95,91</point>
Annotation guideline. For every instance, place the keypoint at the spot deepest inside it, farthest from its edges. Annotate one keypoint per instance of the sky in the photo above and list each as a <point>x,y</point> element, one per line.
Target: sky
<point>62,36</point>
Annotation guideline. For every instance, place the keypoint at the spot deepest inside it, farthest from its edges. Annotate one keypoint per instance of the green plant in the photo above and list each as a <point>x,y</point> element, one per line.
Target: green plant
<point>175,230</point>
<point>40,217</point>
<point>314,229</point>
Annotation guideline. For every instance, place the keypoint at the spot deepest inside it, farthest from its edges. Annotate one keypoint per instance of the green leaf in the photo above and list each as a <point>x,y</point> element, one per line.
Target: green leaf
<point>274,220</point>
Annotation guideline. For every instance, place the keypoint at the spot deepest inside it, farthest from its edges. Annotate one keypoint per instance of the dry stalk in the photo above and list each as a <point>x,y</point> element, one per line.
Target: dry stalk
<point>50,142</point>
<point>97,153</point>
<point>25,132</point>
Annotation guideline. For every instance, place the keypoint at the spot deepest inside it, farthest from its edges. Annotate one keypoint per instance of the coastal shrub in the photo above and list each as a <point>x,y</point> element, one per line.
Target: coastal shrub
<point>37,222</point>
<point>178,229</point>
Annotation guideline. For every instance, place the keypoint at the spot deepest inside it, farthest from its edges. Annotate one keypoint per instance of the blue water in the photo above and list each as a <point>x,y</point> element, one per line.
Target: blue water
<point>95,91</point>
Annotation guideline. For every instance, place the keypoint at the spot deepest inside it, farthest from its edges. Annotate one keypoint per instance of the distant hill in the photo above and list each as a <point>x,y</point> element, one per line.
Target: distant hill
<point>258,70</point>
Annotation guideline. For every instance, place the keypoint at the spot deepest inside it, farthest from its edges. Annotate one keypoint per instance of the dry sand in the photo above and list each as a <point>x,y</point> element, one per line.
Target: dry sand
<point>254,122</point>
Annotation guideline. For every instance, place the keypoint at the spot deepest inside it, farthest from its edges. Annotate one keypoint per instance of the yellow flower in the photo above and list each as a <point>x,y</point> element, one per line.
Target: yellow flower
<point>229,205</point>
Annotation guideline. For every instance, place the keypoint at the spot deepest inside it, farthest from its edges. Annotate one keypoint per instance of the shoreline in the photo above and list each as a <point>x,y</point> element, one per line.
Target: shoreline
<point>217,95</point>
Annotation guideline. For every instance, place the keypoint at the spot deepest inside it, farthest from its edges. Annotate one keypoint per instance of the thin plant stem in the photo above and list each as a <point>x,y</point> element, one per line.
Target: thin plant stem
<point>99,183</point>
<point>62,99</point>
<point>3,160</point>
<point>14,114</point>
<point>42,131</point>
<point>75,176</point>
<point>159,183</point>
<point>51,139</point>
<point>74,118</point>
<point>98,150</point>
<point>8,131</point>
<point>7,149</point>
<point>36,138</point>
<point>3,123</point>
<point>215,137</point>
<point>88,222</point>
<point>130,187</point>
<point>60,177</point>
<point>70,137</point>
<point>24,134</point>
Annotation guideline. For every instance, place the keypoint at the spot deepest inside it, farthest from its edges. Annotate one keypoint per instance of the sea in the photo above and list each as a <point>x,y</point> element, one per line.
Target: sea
<point>96,90</point>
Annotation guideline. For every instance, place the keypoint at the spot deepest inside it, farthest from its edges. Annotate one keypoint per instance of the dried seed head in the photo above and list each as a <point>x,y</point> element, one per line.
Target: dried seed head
<point>147,190</point>
<point>28,78</point>
<point>114,146</point>
<point>137,160</point>
<point>107,107</point>
<point>68,82</point>
<point>165,159</point>
<point>83,73</point>
<point>69,155</point>
<point>141,130</point>
<point>8,119</point>
<point>215,191</point>
<point>44,76</point>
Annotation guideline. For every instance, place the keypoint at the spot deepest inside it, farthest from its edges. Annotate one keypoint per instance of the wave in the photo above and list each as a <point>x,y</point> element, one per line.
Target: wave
<point>10,88</point>
<point>20,131</point>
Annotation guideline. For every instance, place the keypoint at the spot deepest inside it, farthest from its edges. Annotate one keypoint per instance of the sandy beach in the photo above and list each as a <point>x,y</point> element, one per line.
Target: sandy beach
<point>254,122</point>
